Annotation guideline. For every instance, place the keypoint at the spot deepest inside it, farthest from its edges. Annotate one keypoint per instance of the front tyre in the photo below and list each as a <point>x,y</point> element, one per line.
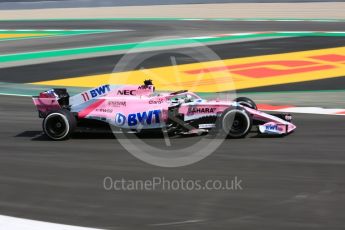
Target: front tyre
<point>235,123</point>
<point>59,125</point>
<point>245,101</point>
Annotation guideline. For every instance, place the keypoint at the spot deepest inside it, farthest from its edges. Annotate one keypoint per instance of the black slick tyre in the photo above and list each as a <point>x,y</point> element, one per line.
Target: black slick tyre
<point>245,101</point>
<point>59,125</point>
<point>235,122</point>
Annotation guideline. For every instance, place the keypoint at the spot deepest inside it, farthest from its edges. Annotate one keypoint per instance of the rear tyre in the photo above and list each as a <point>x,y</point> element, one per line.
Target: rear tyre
<point>59,125</point>
<point>235,123</point>
<point>245,101</point>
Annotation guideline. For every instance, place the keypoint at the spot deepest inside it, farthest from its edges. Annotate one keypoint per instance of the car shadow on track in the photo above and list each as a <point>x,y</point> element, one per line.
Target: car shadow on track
<point>40,136</point>
<point>261,136</point>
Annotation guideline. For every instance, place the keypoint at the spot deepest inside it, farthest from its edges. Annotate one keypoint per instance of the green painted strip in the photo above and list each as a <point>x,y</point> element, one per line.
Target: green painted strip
<point>178,19</point>
<point>87,50</point>
<point>151,44</point>
<point>23,38</point>
<point>52,33</point>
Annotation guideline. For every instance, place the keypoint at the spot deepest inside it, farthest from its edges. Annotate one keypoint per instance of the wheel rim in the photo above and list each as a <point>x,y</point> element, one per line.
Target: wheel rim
<point>56,126</point>
<point>236,123</point>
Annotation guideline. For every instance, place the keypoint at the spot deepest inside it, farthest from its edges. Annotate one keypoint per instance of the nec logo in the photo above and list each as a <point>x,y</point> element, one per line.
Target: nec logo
<point>126,92</point>
<point>99,91</point>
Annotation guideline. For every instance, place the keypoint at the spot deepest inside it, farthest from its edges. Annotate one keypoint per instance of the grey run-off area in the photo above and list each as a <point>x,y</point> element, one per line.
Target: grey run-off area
<point>40,4</point>
<point>300,10</point>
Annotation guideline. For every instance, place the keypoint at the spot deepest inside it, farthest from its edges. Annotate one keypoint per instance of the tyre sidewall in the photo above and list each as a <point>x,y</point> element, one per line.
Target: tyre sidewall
<point>227,115</point>
<point>69,122</point>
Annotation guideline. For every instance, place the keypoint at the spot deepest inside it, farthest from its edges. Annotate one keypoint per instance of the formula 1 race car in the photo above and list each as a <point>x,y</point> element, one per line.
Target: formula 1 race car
<point>138,108</point>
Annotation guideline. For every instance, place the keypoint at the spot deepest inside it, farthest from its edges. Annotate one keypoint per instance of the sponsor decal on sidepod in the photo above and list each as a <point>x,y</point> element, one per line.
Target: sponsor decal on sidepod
<point>134,119</point>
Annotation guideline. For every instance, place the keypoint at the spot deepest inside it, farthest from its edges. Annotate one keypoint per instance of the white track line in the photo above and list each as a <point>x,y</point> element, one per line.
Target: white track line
<point>308,110</point>
<point>7,222</point>
<point>16,94</point>
<point>313,110</point>
<point>178,222</point>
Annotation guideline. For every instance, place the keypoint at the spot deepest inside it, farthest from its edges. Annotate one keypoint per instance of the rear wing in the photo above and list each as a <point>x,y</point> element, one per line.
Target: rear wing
<point>58,98</point>
<point>51,100</point>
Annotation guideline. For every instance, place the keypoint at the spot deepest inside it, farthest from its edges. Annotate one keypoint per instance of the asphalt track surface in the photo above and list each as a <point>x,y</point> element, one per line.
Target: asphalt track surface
<point>294,182</point>
<point>288,183</point>
<point>143,30</point>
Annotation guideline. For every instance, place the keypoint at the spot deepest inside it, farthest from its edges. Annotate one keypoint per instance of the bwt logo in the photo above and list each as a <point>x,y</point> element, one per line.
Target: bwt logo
<point>99,91</point>
<point>133,119</point>
<point>272,127</point>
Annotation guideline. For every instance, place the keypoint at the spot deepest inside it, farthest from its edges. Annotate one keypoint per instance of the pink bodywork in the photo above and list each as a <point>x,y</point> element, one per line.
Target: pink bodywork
<point>139,107</point>
<point>273,125</point>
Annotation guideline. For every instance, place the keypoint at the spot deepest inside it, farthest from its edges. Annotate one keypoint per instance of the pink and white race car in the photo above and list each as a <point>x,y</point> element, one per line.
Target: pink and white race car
<point>138,108</point>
